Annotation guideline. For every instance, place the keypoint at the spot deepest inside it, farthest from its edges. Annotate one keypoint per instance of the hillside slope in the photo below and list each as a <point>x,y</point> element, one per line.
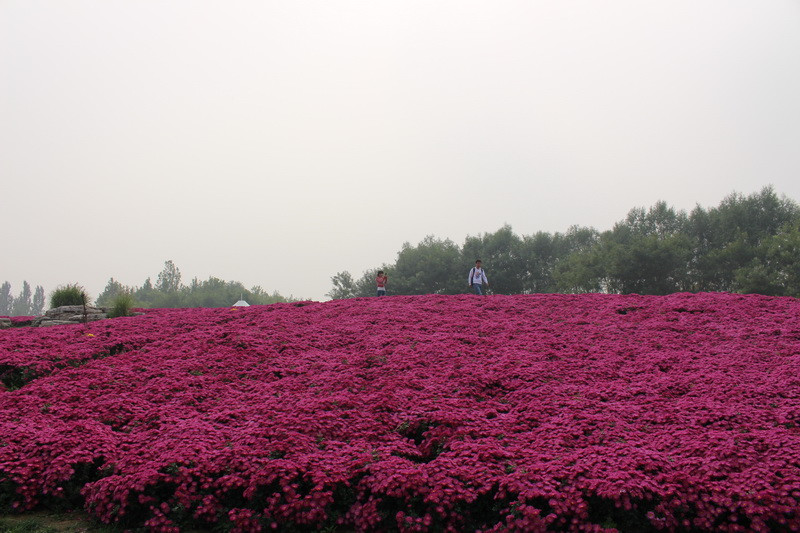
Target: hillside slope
<point>427,413</point>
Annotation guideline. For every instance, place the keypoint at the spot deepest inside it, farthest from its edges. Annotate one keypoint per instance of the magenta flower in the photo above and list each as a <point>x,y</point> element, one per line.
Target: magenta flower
<point>426,413</point>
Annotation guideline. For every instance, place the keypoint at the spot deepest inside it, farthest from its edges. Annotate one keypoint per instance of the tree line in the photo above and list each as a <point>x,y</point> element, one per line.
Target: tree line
<point>26,303</point>
<point>747,244</point>
<point>169,291</point>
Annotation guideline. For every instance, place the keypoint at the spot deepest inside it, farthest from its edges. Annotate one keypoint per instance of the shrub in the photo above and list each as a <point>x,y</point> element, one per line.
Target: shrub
<point>72,294</point>
<point>122,305</point>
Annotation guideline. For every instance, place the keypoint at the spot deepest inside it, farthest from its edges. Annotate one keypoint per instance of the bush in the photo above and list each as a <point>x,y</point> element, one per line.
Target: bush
<point>122,305</point>
<point>72,294</point>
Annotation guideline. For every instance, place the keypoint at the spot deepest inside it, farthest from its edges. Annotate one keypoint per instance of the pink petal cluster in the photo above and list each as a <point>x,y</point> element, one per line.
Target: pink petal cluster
<point>20,320</point>
<point>426,413</point>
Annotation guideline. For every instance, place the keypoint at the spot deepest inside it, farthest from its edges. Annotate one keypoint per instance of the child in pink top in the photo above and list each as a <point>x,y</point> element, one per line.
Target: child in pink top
<point>381,281</point>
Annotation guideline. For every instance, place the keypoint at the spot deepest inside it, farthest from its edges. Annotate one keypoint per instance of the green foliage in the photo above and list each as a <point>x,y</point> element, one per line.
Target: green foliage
<point>729,238</point>
<point>776,268</point>
<point>38,301</point>
<point>21,305</point>
<point>543,254</point>
<point>343,286</point>
<point>648,253</point>
<point>581,272</point>
<point>72,294</point>
<point>503,251</point>
<point>111,292</point>
<point>428,268</point>
<point>6,299</point>
<point>169,279</point>
<point>169,292</point>
<point>746,244</point>
<point>367,286</point>
<point>122,305</point>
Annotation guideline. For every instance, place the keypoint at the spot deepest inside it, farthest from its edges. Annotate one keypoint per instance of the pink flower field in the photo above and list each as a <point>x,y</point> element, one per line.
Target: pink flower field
<point>418,413</point>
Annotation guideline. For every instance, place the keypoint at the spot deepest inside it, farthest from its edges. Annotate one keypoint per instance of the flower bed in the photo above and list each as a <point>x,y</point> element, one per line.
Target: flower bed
<point>17,321</point>
<point>427,413</point>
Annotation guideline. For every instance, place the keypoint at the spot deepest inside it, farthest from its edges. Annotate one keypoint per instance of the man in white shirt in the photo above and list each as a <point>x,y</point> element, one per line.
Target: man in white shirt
<point>477,278</point>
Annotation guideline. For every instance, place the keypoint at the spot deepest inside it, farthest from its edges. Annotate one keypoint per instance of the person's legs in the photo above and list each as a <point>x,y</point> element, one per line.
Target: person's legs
<point>478,288</point>
<point>381,293</point>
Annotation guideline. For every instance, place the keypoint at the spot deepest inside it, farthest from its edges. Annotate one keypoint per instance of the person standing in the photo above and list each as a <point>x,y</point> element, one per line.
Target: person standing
<point>381,281</point>
<point>477,278</point>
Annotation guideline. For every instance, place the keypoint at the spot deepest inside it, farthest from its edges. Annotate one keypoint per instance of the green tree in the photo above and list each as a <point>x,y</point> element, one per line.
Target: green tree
<point>776,268</point>
<point>366,285</point>
<point>215,292</point>
<point>172,300</point>
<point>169,279</point>
<point>259,296</point>
<point>547,260</point>
<point>146,294</point>
<point>648,252</point>
<point>743,244</point>
<point>343,286</point>
<point>38,301</point>
<point>6,299</point>
<point>539,257</point>
<point>728,238</point>
<point>581,272</point>
<point>23,305</point>
<point>502,256</point>
<point>113,289</point>
<point>434,266</point>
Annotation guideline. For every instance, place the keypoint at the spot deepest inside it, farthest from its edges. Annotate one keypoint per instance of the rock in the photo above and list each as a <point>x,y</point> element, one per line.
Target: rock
<point>80,318</point>
<point>5,323</point>
<point>45,323</point>
<point>70,314</point>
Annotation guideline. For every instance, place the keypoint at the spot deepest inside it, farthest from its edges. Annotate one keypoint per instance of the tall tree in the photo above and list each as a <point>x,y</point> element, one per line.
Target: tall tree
<point>433,266</point>
<point>545,256</point>
<point>745,244</point>
<point>38,301</point>
<point>22,303</point>
<point>647,253</point>
<point>727,238</point>
<point>501,254</point>
<point>259,296</point>
<point>581,272</point>
<point>776,268</point>
<point>169,280</point>
<point>146,294</point>
<point>343,286</point>
<point>367,286</point>
<point>113,289</point>
<point>6,299</point>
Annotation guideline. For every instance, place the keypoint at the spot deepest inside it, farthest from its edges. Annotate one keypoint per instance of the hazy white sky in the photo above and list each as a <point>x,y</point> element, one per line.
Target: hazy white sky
<point>276,143</point>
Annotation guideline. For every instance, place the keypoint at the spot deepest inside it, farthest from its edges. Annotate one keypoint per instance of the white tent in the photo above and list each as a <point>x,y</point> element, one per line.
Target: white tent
<point>241,303</point>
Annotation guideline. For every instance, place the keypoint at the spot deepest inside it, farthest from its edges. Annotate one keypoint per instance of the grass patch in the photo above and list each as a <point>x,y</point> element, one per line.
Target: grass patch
<point>72,294</point>
<point>122,305</point>
<point>45,522</point>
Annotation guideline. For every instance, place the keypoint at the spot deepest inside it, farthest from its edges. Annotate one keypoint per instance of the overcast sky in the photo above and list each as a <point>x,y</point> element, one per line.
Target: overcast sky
<point>277,143</point>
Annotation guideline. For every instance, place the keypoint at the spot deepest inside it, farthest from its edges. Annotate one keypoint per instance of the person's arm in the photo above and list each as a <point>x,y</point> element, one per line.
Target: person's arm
<point>469,278</point>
